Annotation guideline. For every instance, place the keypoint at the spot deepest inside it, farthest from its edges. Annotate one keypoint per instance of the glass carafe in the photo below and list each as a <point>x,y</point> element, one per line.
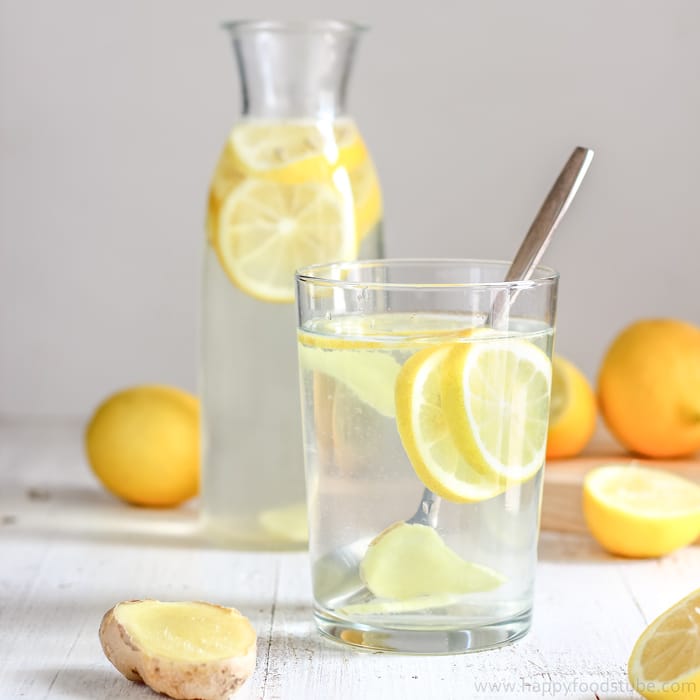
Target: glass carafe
<point>294,185</point>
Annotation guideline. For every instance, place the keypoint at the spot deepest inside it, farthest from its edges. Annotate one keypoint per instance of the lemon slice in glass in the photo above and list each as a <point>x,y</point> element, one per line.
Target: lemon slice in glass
<point>422,423</point>
<point>496,396</point>
<point>267,230</point>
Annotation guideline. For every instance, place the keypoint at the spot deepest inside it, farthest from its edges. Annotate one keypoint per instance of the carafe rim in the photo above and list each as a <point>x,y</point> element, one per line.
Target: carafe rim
<point>337,26</point>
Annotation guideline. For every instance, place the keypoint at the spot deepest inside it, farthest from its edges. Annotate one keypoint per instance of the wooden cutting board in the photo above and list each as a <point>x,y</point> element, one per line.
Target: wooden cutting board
<point>563,480</point>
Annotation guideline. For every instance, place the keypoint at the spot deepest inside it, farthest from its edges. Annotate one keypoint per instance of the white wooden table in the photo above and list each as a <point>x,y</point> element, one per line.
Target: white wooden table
<point>69,551</point>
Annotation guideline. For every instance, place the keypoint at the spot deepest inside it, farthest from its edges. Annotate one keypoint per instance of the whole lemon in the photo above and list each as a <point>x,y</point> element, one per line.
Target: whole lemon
<point>649,388</point>
<point>143,445</point>
<point>572,412</point>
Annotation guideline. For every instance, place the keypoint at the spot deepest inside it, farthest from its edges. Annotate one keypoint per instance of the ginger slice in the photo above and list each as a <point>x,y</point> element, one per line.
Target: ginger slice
<point>184,650</point>
<point>406,561</point>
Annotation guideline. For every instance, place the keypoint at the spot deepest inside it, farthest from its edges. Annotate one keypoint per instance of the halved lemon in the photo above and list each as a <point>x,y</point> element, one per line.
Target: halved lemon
<point>267,230</point>
<point>422,422</point>
<point>495,395</point>
<point>640,511</point>
<point>665,661</point>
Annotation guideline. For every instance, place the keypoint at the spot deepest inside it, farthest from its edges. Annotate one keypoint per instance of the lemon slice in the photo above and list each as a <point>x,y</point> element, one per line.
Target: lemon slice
<point>369,375</point>
<point>296,151</point>
<point>422,423</point>
<point>640,511</point>
<point>665,661</point>
<point>267,230</point>
<point>572,411</point>
<point>496,402</point>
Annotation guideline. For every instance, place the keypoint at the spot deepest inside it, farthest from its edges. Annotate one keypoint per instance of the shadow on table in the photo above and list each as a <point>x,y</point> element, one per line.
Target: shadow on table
<point>90,683</point>
<point>91,515</point>
<point>86,682</point>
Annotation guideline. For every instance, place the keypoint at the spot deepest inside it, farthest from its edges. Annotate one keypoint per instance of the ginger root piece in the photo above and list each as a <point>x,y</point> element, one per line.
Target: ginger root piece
<point>185,650</point>
<point>410,560</point>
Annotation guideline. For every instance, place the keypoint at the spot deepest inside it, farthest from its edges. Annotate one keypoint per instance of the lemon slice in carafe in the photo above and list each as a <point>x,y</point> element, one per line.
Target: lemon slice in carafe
<point>267,230</point>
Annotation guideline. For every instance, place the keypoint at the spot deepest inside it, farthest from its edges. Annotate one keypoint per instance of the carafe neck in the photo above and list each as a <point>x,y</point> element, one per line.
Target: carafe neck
<point>294,70</point>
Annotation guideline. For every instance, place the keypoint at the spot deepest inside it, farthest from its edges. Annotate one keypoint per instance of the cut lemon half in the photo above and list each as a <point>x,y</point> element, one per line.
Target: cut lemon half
<point>267,230</point>
<point>665,661</point>
<point>425,434</point>
<point>496,402</point>
<point>640,511</point>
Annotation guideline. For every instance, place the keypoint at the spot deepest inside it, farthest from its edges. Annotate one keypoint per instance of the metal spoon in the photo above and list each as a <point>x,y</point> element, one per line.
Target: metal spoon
<point>523,266</point>
<point>336,565</point>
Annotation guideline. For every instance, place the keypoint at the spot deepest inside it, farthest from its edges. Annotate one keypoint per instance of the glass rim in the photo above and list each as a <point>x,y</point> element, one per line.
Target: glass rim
<point>339,26</point>
<point>543,275</point>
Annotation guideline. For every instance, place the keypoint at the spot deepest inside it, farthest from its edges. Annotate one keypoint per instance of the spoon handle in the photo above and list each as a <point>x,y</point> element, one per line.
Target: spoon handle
<point>550,214</point>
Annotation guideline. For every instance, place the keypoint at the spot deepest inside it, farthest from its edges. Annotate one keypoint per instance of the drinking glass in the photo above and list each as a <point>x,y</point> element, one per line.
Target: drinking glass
<point>418,398</point>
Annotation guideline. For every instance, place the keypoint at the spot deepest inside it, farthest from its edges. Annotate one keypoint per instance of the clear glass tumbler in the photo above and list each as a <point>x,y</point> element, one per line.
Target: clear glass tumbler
<point>425,403</point>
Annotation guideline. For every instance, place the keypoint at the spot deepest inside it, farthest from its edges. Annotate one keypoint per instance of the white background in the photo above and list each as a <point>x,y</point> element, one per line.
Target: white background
<point>112,115</point>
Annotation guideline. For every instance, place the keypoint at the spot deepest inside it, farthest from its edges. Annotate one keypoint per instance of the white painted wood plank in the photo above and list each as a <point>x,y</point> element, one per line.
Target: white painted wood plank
<point>70,551</point>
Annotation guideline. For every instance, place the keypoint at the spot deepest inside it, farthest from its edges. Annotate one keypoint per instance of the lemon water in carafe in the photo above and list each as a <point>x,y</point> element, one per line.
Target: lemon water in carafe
<point>294,185</point>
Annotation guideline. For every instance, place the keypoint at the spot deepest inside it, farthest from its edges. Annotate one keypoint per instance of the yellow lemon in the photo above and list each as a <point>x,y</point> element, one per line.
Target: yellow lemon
<point>143,445</point>
<point>649,388</point>
<point>640,511</point>
<point>572,411</point>
<point>665,661</point>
